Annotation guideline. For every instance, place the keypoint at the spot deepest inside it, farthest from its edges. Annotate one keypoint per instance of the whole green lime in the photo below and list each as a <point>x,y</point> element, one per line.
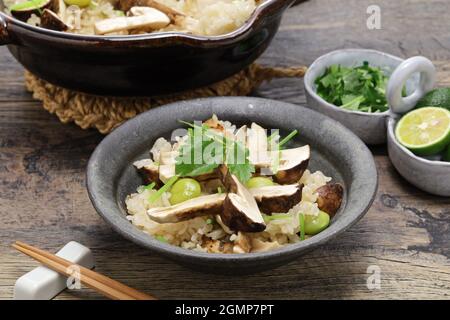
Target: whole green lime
<point>436,98</point>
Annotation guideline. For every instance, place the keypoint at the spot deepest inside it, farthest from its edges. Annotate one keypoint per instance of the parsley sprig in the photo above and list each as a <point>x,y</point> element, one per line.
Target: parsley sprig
<point>361,88</point>
<point>205,150</point>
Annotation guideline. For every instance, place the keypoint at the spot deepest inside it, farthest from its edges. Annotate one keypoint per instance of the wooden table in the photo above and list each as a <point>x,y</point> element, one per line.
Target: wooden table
<point>406,233</point>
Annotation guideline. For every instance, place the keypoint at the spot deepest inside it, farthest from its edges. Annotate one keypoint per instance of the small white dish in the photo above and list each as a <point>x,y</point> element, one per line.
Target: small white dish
<point>371,127</point>
<point>428,175</point>
<point>418,75</point>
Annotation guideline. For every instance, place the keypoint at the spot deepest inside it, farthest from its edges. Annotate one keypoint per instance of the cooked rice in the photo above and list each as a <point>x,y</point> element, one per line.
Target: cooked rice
<point>190,234</point>
<point>204,17</point>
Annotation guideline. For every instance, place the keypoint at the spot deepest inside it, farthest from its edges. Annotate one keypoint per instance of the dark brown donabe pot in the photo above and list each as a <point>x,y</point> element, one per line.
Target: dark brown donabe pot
<point>140,65</point>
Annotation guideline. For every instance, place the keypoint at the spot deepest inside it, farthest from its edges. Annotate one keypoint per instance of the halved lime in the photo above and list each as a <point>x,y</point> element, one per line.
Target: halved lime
<point>424,131</point>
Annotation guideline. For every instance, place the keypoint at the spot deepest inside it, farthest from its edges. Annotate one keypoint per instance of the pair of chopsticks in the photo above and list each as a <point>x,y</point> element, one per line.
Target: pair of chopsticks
<point>104,285</point>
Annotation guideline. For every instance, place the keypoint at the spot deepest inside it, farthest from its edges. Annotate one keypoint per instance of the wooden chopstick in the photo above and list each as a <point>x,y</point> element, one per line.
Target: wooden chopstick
<point>107,286</point>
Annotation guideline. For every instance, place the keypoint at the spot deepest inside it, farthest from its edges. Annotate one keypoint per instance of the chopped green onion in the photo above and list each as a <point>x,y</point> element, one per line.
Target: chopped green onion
<point>268,218</point>
<point>161,238</point>
<point>163,189</point>
<point>273,135</point>
<point>288,137</point>
<point>302,226</point>
<point>219,190</point>
<point>186,123</point>
<point>150,186</point>
<point>209,221</point>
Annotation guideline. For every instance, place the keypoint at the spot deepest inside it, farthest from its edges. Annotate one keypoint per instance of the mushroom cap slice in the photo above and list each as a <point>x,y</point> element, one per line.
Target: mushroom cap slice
<point>279,198</point>
<point>153,19</point>
<point>329,198</point>
<point>239,216</point>
<point>52,21</point>
<point>240,210</point>
<point>241,135</point>
<point>257,146</point>
<point>200,206</point>
<point>148,170</point>
<point>293,163</point>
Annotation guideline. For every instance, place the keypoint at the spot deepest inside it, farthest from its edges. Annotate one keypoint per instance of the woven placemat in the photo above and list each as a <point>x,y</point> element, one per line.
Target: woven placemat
<point>106,113</point>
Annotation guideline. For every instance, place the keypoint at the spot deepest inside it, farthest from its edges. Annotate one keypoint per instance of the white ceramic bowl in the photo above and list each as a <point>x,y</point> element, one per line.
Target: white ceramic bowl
<point>427,175</point>
<point>418,75</point>
<point>370,127</point>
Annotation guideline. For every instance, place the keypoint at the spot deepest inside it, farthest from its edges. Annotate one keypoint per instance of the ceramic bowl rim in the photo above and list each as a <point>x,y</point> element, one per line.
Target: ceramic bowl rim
<point>135,235</point>
<point>324,58</point>
<point>391,136</point>
<point>257,14</point>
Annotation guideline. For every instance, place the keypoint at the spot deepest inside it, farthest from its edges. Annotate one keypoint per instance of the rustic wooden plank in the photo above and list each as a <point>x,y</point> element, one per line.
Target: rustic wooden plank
<point>406,232</point>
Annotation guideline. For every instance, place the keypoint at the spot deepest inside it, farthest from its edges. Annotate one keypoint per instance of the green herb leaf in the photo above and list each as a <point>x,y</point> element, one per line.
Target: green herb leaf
<point>235,154</point>
<point>204,143</point>
<point>361,88</point>
<point>190,162</point>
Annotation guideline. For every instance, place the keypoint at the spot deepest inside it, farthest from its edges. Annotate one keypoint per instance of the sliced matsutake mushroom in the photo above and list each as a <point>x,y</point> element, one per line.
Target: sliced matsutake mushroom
<point>168,157</point>
<point>151,20</point>
<point>127,5</point>
<point>241,135</point>
<point>166,171</point>
<point>148,170</point>
<point>329,198</point>
<point>224,227</point>
<point>200,206</point>
<point>257,146</point>
<point>278,198</point>
<point>50,20</point>
<point>24,10</point>
<point>212,185</point>
<point>293,163</point>
<point>240,210</point>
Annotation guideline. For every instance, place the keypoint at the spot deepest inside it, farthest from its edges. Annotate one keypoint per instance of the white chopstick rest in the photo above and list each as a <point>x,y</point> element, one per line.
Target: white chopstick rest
<point>43,283</point>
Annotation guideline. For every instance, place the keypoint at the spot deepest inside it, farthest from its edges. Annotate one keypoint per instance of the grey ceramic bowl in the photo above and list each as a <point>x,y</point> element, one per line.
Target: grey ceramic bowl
<point>370,127</point>
<point>335,150</point>
<point>427,175</point>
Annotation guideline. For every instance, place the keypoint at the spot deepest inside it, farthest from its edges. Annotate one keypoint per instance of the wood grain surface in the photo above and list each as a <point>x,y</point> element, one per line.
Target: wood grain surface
<point>43,200</point>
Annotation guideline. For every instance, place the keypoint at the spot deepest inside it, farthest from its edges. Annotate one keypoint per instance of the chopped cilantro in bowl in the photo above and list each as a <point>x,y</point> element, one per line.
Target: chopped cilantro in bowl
<point>361,88</point>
